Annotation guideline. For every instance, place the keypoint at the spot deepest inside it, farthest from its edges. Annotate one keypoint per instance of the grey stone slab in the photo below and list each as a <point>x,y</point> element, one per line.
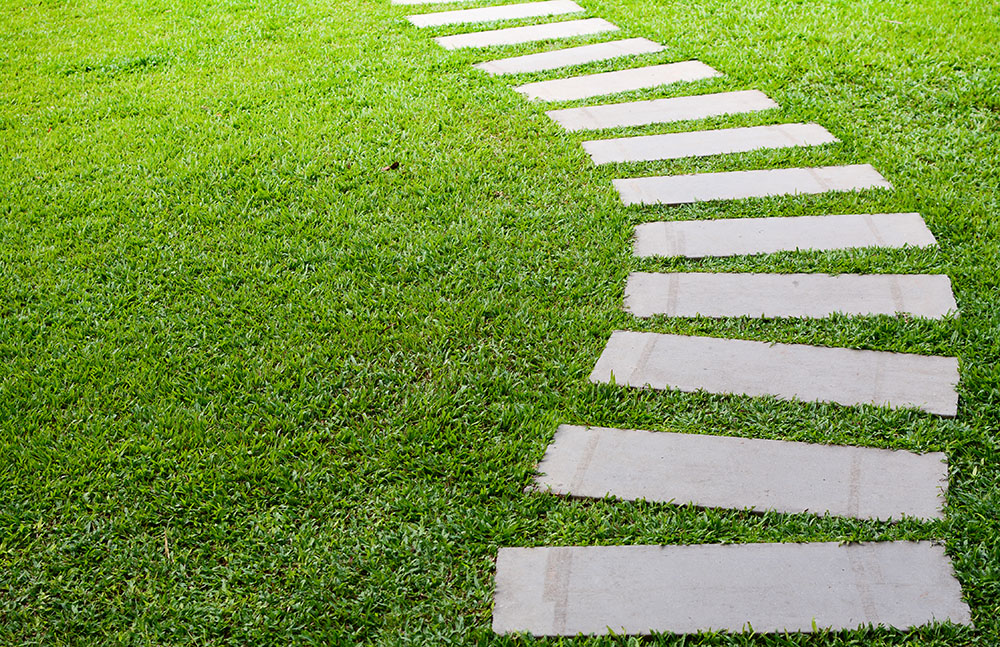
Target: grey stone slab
<point>744,473</point>
<point>693,294</point>
<point>490,14</point>
<point>528,34</point>
<point>764,588</point>
<point>658,111</point>
<point>701,143</point>
<point>592,85</point>
<point>701,187</point>
<point>736,236</point>
<point>571,56</point>
<point>789,371</point>
<point>417,2</point>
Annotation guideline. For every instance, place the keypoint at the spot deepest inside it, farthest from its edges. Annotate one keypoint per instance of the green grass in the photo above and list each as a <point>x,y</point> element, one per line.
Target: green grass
<point>258,386</point>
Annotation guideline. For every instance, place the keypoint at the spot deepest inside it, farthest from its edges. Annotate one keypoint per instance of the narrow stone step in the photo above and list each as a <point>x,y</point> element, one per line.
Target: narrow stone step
<point>702,187</point>
<point>744,473</point>
<point>528,34</point>
<point>592,85</point>
<point>572,56</point>
<point>701,143</point>
<point>736,236</point>
<point>490,14</point>
<point>764,588</point>
<point>418,2</point>
<point>693,294</point>
<point>789,371</point>
<point>659,111</point>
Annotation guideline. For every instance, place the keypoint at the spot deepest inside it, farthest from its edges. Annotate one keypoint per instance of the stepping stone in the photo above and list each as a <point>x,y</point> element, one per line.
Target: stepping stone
<point>763,588</point>
<point>694,294</point>
<point>412,2</point>
<point>788,371</point>
<point>572,56</point>
<point>528,34</point>
<point>744,473</point>
<point>592,85</point>
<point>490,14</point>
<point>702,187</point>
<point>701,143</point>
<point>736,236</point>
<point>659,111</point>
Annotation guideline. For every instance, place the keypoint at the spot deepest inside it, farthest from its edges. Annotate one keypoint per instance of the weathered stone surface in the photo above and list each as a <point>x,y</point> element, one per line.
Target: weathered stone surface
<point>417,2</point>
<point>808,373</point>
<point>744,473</point>
<point>736,236</point>
<point>701,143</point>
<point>527,34</point>
<point>765,588</point>
<point>701,187</point>
<point>658,111</point>
<point>571,56</point>
<point>706,294</point>
<point>592,85</point>
<point>490,14</point>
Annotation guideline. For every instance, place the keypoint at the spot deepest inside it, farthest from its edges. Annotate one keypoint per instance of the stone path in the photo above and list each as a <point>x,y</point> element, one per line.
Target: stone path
<point>743,473</point>
<point>572,56</point>
<point>528,34</point>
<point>702,187</point>
<point>736,236</point>
<point>567,591</point>
<point>491,14</point>
<point>787,371</point>
<point>643,113</point>
<point>701,143</point>
<point>593,85</point>
<point>710,294</point>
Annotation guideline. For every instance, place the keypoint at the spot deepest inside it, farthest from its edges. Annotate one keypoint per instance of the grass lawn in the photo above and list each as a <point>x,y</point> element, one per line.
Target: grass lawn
<point>292,301</point>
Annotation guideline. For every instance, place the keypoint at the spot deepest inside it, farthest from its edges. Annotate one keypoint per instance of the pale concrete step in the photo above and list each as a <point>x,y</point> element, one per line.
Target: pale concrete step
<point>656,111</point>
<point>701,143</point>
<point>789,371</point>
<point>592,85</point>
<point>744,473</point>
<point>736,236</point>
<point>491,14</point>
<point>692,294</point>
<point>571,56</point>
<point>765,588</point>
<point>527,34</point>
<point>701,187</point>
<point>418,2</point>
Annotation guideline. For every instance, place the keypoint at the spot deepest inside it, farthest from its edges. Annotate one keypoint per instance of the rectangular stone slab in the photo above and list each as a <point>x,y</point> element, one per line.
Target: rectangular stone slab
<point>701,187</point>
<point>737,236</point>
<point>789,371</point>
<point>660,111</point>
<point>693,294</point>
<point>701,143</point>
<point>744,473</point>
<point>764,588</point>
<point>592,85</point>
<point>571,56</point>
<point>412,2</point>
<point>528,34</point>
<point>490,14</point>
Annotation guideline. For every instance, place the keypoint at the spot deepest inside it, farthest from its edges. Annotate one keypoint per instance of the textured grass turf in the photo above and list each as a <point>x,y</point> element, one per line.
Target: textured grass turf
<point>292,300</point>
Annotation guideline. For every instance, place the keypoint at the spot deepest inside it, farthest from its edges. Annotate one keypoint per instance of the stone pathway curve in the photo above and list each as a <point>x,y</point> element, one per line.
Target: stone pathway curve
<point>751,587</point>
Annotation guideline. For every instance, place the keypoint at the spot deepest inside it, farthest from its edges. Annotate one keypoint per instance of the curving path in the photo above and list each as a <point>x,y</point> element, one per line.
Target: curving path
<point>752,587</point>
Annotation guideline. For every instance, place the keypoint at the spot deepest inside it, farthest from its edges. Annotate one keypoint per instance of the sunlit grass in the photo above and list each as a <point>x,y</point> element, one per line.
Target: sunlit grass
<point>292,301</point>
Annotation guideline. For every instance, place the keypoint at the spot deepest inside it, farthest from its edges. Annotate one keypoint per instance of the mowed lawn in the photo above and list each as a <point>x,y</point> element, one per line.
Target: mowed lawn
<point>292,301</point>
